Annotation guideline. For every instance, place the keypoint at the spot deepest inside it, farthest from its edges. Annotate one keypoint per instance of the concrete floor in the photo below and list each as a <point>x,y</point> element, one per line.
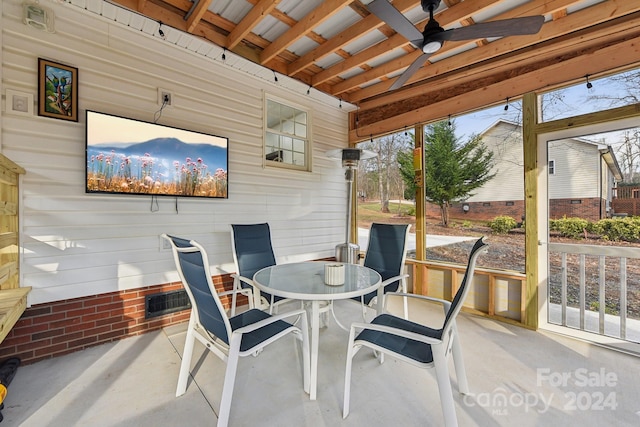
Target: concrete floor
<point>517,377</point>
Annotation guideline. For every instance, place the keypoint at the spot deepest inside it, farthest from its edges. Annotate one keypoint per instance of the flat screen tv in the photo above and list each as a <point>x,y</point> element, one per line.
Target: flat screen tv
<point>126,156</point>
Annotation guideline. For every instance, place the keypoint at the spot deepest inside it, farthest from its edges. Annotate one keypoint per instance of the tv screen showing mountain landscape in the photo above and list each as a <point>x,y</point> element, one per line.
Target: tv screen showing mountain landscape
<point>126,156</point>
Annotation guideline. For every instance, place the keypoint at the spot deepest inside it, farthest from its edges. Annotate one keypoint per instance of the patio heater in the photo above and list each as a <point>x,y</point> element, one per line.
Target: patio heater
<point>348,251</point>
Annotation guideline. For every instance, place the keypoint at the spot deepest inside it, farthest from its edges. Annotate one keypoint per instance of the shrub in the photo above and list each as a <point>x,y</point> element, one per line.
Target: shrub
<point>467,224</point>
<point>618,228</point>
<point>569,227</point>
<point>502,224</point>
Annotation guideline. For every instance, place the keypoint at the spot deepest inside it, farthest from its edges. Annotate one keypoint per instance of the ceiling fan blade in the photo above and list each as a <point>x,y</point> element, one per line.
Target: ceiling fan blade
<point>503,28</point>
<point>396,20</point>
<point>410,71</point>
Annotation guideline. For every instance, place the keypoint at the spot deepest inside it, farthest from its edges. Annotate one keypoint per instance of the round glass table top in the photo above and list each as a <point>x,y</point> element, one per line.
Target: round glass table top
<point>305,281</point>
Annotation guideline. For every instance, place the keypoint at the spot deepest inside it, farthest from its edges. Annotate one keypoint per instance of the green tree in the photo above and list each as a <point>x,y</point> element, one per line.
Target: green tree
<point>407,172</point>
<point>453,169</point>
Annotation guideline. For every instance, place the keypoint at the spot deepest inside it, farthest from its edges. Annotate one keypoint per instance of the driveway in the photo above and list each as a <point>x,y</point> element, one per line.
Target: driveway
<point>432,240</point>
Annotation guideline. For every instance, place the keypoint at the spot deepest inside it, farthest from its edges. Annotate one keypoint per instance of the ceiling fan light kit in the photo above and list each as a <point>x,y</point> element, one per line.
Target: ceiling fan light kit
<point>433,37</point>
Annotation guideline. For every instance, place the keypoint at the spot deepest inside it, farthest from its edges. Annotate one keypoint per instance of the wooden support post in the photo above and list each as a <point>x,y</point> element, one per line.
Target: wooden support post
<point>419,280</point>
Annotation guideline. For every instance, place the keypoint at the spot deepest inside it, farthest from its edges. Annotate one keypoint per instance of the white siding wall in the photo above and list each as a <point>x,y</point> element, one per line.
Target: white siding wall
<point>577,169</point>
<point>505,140</point>
<point>576,164</point>
<point>78,244</point>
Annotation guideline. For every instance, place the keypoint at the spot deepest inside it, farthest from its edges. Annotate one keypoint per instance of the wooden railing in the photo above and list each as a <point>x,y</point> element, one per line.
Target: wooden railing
<point>614,257</point>
<point>494,293</point>
<point>629,192</point>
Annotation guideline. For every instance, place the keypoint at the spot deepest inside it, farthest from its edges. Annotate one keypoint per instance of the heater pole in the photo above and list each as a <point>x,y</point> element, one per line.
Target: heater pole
<point>349,178</point>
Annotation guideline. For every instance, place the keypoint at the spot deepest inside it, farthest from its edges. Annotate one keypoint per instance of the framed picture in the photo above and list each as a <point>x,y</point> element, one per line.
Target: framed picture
<point>19,103</point>
<point>57,90</point>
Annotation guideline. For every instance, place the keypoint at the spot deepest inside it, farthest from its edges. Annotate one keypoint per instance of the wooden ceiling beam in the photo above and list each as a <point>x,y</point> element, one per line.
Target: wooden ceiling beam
<point>251,19</point>
<point>551,30</point>
<point>457,12</point>
<point>539,7</point>
<point>365,25</point>
<point>196,14</point>
<point>550,73</point>
<point>320,14</point>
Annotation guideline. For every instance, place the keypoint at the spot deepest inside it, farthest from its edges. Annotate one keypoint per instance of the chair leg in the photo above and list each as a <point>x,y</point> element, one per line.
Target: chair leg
<point>347,375</point>
<point>405,300</point>
<point>229,380</point>
<point>189,342</point>
<point>458,363</point>
<point>444,386</point>
<point>306,358</point>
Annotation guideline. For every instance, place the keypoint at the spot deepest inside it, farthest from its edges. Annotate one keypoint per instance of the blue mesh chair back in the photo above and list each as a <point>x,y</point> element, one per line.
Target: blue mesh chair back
<point>195,277</point>
<point>386,253</point>
<point>253,251</point>
<point>458,299</point>
<point>252,243</point>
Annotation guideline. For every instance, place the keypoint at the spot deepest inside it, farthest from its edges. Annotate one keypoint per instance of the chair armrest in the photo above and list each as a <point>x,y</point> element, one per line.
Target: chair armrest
<point>395,331</point>
<point>446,305</point>
<point>393,279</point>
<point>269,320</point>
<point>244,291</point>
<point>243,279</point>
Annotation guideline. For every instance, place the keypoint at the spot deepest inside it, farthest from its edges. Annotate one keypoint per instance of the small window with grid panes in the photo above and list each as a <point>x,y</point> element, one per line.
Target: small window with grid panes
<point>287,136</point>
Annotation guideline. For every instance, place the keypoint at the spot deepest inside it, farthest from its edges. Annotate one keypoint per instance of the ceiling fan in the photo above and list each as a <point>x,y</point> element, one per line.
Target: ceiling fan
<point>431,39</point>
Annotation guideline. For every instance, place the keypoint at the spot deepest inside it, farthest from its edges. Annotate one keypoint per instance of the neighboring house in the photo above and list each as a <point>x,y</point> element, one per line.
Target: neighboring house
<point>582,174</point>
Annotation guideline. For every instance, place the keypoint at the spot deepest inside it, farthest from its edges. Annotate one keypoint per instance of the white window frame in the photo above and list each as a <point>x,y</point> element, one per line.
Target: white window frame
<point>552,167</point>
<point>286,159</point>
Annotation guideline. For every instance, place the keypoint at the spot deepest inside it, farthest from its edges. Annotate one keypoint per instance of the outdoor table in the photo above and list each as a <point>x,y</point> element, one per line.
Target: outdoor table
<point>305,281</point>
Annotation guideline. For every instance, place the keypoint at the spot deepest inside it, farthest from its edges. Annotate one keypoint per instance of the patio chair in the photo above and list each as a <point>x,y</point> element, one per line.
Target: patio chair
<point>252,251</point>
<point>418,344</point>
<point>386,254</point>
<point>229,338</point>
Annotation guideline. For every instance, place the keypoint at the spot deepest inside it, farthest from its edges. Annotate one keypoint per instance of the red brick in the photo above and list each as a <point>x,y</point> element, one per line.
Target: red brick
<point>65,322</point>
<point>109,320</point>
<point>79,327</point>
<point>49,350</point>
<point>99,301</point>
<point>82,342</point>
<point>67,306</point>
<point>47,334</point>
<point>109,336</point>
<point>111,307</point>
<point>36,311</point>
<point>67,337</point>
<point>95,316</point>
<point>28,330</point>
<point>33,345</point>
<point>81,312</point>
<point>48,318</point>
<point>97,330</point>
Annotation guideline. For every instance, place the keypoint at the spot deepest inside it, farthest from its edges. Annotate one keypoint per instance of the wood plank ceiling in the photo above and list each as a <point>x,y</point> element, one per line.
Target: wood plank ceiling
<point>340,48</point>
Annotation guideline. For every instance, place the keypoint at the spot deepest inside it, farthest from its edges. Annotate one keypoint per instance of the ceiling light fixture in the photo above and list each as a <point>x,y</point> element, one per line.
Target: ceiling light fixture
<point>431,47</point>
<point>309,90</point>
<point>506,107</point>
<point>224,53</point>
<point>160,32</point>
<point>275,78</point>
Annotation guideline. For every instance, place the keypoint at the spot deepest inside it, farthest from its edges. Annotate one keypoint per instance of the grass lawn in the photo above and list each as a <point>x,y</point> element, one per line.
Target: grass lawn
<point>369,212</point>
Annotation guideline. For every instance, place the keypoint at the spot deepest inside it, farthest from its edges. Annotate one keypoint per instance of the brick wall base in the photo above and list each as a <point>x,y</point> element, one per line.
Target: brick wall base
<point>591,209</point>
<point>61,327</point>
